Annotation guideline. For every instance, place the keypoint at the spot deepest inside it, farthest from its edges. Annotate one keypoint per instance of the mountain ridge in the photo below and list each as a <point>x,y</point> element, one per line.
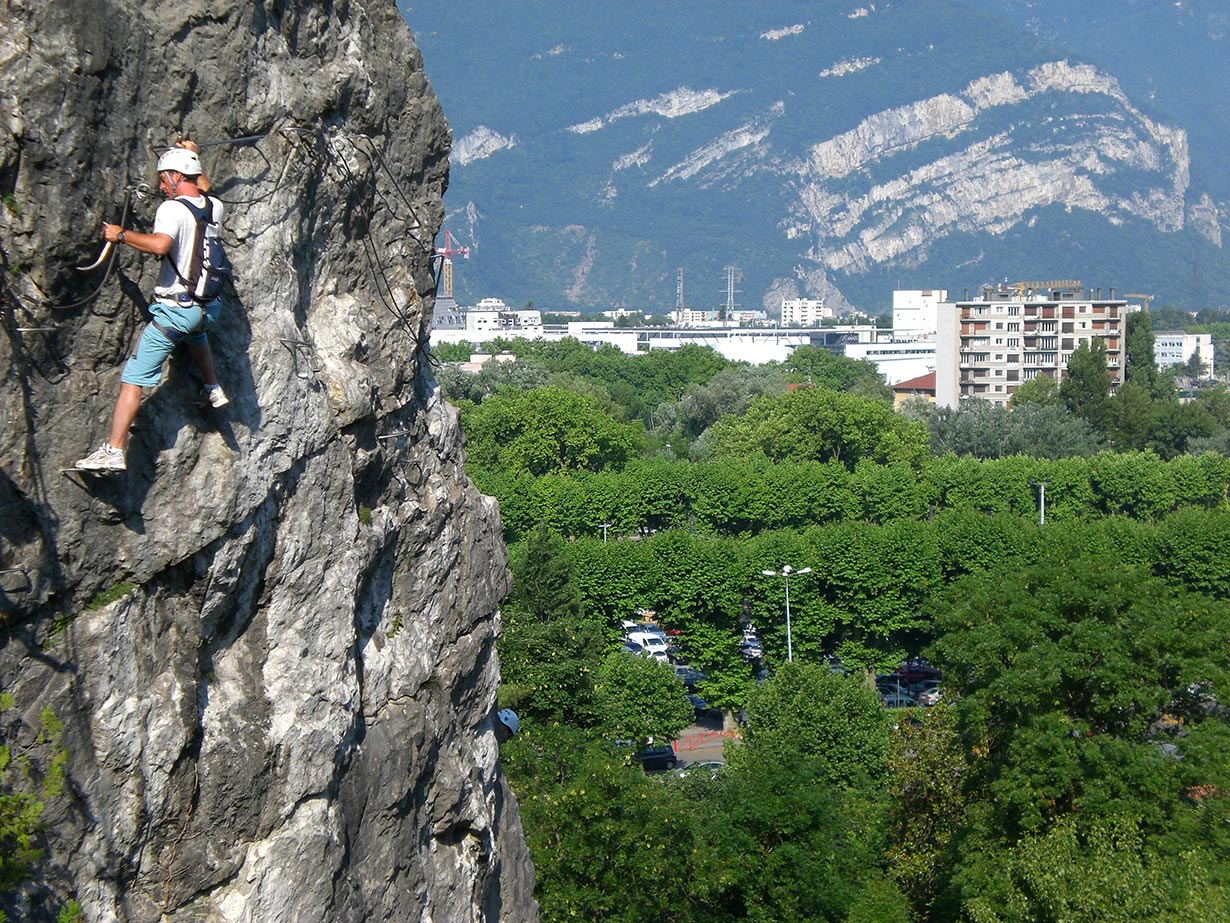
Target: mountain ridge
<point>739,144</point>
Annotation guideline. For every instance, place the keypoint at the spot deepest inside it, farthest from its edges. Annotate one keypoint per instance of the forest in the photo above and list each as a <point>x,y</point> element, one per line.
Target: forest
<point>1065,564</point>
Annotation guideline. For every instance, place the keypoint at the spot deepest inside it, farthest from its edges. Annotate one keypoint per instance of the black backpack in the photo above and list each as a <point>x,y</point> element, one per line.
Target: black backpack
<point>210,269</point>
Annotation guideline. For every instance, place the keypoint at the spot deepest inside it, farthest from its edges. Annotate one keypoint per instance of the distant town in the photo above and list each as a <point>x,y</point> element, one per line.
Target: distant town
<point>937,348</point>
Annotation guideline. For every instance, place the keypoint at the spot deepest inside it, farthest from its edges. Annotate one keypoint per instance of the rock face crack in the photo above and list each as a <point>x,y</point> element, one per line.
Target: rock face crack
<point>271,640</point>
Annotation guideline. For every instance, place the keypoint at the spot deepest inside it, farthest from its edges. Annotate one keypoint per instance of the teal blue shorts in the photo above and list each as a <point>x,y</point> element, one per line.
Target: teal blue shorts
<point>190,320</point>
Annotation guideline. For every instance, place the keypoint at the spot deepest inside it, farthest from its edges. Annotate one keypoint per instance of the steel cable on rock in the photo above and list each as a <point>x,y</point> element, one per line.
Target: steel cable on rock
<point>338,162</point>
<point>110,258</point>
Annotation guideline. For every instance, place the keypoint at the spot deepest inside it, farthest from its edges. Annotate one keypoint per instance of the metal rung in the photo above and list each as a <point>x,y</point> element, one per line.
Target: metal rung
<point>302,346</point>
<point>404,432</point>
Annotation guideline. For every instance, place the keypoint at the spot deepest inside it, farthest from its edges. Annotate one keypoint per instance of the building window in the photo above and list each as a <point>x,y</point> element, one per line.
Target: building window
<point>1014,311</point>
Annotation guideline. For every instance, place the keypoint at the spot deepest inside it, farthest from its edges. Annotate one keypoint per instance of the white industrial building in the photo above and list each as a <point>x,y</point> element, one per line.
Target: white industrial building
<point>916,313</point>
<point>1174,347</point>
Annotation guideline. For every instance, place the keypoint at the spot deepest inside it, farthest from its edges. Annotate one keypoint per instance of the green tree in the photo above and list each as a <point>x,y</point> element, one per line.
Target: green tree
<point>985,430</point>
<point>545,430</point>
<point>1140,366</point>
<point>549,652</point>
<point>1132,417</point>
<point>542,584</point>
<point>780,843</point>
<point>1067,670</point>
<point>30,775</point>
<point>1086,390</point>
<point>824,368</point>
<point>1105,872</point>
<point>728,392</point>
<point>818,424</point>
<point>1040,391</point>
<point>641,699</point>
<point>606,840</point>
<point>804,711</point>
<point>928,773</point>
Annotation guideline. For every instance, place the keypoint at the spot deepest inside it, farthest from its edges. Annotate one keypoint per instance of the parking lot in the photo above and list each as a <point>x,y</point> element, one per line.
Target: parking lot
<point>704,741</point>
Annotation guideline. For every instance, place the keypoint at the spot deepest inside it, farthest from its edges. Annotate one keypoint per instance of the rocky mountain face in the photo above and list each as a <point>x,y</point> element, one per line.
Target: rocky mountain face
<point>826,148</point>
<point>271,641</point>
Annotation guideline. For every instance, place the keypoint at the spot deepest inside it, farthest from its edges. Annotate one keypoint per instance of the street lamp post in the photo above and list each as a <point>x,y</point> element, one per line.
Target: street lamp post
<point>786,571</point>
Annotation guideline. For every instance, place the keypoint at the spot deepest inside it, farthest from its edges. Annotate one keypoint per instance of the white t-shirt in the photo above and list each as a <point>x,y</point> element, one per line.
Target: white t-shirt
<point>178,222</point>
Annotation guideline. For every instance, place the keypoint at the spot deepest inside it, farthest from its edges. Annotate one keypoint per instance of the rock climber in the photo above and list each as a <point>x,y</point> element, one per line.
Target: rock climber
<point>506,725</point>
<point>175,315</point>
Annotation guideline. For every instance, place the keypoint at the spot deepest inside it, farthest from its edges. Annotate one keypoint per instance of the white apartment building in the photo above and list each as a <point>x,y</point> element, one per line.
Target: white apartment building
<point>804,312</point>
<point>1174,347</point>
<point>916,313</point>
<point>988,346</point>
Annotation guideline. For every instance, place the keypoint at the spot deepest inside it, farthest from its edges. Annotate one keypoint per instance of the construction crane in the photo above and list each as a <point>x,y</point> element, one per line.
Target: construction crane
<point>1022,287</point>
<point>1145,298</point>
<point>446,253</point>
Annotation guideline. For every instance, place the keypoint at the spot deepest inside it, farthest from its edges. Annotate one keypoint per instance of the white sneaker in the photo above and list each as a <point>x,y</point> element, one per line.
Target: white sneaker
<point>215,397</point>
<point>104,458</point>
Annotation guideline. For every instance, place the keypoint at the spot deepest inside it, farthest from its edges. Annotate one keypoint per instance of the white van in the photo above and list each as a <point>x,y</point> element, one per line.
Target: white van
<point>654,644</point>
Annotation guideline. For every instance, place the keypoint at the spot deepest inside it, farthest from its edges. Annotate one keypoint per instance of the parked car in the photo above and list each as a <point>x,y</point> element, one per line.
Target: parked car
<point>898,700</point>
<point>656,759</point>
<point>926,685</point>
<point>916,669</point>
<point>703,709</point>
<point>750,651</point>
<point>648,628</point>
<point>654,644</point>
<point>929,697</point>
<point>891,682</point>
<point>689,676</point>
<point>631,647</point>
<point>701,768</point>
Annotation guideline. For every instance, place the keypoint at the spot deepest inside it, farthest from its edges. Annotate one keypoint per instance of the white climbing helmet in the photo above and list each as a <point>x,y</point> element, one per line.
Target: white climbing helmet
<point>509,719</point>
<point>180,160</point>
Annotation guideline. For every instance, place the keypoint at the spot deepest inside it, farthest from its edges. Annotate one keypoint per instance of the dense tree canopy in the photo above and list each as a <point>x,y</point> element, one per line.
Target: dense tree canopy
<point>545,430</point>
<point>819,424</point>
<point>1078,770</point>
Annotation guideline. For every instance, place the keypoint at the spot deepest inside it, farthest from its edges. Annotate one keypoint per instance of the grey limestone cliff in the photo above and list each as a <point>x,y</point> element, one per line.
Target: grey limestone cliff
<point>271,641</point>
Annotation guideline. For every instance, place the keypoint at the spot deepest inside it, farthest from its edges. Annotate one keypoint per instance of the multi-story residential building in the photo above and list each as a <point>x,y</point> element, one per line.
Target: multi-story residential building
<point>804,312</point>
<point>1011,333</point>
